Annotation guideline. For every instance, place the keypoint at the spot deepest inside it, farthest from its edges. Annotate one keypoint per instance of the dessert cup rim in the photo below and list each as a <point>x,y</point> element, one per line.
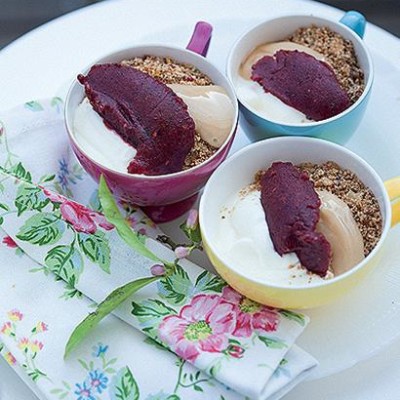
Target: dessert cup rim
<point>218,176</point>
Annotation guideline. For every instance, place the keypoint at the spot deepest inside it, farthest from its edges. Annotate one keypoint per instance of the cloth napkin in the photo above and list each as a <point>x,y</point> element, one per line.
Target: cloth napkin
<point>59,256</point>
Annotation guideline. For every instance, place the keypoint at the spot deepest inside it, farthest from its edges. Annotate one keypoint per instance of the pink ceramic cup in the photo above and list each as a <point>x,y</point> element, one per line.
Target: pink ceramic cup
<point>162,197</point>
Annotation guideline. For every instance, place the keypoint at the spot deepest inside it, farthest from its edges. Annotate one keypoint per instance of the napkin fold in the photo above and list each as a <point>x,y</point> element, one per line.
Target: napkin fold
<point>239,343</point>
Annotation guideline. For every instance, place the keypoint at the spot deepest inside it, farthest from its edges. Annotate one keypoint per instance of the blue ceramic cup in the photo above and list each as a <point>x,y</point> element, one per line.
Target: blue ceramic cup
<point>338,128</point>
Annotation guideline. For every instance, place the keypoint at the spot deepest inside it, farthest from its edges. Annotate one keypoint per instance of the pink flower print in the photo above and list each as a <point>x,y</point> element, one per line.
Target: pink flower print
<point>78,216</point>
<point>150,223</point>
<point>83,219</point>
<point>201,326</point>
<point>133,220</point>
<point>9,242</point>
<point>7,329</point>
<point>182,252</point>
<point>100,220</point>
<point>35,346</point>
<point>142,231</point>
<point>235,351</point>
<point>193,219</point>
<point>15,315</point>
<point>251,316</point>
<point>157,270</point>
<point>53,196</point>
<point>10,358</point>
<point>23,344</point>
<point>40,327</point>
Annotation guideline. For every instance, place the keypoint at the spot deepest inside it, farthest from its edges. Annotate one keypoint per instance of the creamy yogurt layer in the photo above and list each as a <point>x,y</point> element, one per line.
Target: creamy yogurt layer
<point>111,151</point>
<point>266,104</point>
<point>245,242</point>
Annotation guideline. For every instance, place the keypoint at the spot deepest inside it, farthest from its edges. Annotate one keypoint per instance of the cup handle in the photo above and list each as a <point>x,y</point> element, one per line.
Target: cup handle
<point>201,38</point>
<point>355,21</point>
<point>393,189</point>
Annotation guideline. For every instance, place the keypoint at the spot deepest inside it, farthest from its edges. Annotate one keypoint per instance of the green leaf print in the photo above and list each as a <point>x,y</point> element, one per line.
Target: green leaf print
<point>124,386</point>
<point>113,215</point>
<point>96,248</point>
<point>56,101</point>
<point>47,178</point>
<point>30,198</point>
<point>41,229</point>
<point>4,207</point>
<point>175,287</point>
<point>207,282</point>
<point>192,234</point>
<point>109,304</point>
<point>293,316</point>
<point>151,332</point>
<point>36,374</point>
<point>283,362</point>
<point>65,262</point>
<point>152,342</point>
<point>34,106</point>
<point>273,343</point>
<point>151,310</point>
<point>94,202</point>
<point>20,172</point>
<point>69,291</point>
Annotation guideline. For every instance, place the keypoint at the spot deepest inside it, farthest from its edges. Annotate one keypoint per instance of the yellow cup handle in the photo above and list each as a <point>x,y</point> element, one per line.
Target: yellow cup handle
<point>393,189</point>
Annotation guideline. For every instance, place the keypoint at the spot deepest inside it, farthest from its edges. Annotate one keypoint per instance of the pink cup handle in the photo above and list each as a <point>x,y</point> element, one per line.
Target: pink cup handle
<point>201,38</point>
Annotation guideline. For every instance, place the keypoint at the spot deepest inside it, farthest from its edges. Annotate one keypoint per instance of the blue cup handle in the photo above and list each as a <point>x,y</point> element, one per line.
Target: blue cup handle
<point>355,21</point>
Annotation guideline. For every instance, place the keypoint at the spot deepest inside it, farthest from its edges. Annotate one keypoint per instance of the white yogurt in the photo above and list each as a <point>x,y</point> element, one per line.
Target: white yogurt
<point>253,95</point>
<point>99,142</point>
<point>245,242</point>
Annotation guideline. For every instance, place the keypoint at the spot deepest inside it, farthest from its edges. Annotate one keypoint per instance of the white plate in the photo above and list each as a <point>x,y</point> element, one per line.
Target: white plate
<point>363,322</point>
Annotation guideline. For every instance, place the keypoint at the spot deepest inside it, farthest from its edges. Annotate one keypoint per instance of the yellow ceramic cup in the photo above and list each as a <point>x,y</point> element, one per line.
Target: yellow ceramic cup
<point>239,170</point>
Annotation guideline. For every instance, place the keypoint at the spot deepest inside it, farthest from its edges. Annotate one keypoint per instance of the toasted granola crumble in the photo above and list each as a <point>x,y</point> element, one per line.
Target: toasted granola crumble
<point>359,198</point>
<point>339,53</point>
<point>169,71</point>
<point>244,192</point>
<point>257,178</point>
<point>201,151</point>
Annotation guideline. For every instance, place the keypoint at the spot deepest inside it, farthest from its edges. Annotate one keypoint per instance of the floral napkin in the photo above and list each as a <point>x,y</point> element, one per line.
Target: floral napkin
<point>228,339</point>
